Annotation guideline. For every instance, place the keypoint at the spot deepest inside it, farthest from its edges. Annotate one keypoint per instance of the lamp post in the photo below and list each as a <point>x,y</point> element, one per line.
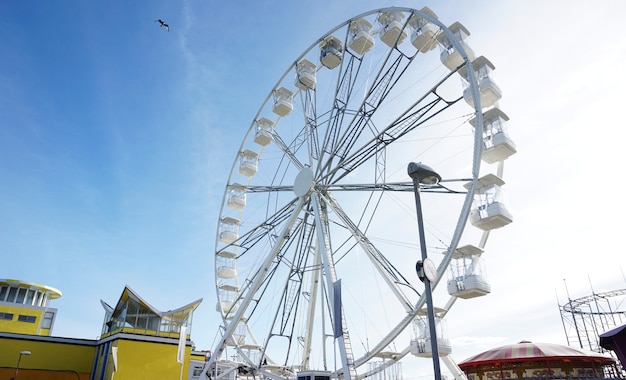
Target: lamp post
<point>421,173</point>
<point>19,359</point>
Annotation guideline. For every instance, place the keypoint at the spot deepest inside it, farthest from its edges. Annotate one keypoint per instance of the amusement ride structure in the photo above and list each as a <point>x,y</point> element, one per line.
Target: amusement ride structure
<point>586,318</point>
<point>316,245</point>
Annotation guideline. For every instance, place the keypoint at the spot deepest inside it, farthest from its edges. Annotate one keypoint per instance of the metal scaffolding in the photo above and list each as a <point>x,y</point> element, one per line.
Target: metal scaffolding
<point>585,318</point>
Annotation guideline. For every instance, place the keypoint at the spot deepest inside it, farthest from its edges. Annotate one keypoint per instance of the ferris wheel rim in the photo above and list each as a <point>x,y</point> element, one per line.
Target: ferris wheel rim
<point>463,217</point>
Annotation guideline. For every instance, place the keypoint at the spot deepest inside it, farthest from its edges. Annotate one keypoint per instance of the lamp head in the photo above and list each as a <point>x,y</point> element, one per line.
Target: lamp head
<point>423,173</point>
<point>24,352</point>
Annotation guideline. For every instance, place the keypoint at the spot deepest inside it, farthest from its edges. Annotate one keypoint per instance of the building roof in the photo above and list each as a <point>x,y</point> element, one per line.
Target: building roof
<point>615,340</point>
<point>527,352</point>
<point>52,293</point>
<point>130,293</point>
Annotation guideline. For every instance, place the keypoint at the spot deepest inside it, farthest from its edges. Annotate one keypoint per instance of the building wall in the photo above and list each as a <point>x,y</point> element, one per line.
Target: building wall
<point>50,358</point>
<point>138,358</point>
<point>27,326</point>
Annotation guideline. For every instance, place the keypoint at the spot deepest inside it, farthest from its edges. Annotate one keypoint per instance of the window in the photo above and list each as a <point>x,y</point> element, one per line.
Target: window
<point>6,316</point>
<point>196,371</point>
<point>21,294</point>
<point>48,317</point>
<point>38,299</point>
<point>12,293</point>
<point>44,300</point>
<point>30,296</point>
<point>27,318</point>
<point>3,292</point>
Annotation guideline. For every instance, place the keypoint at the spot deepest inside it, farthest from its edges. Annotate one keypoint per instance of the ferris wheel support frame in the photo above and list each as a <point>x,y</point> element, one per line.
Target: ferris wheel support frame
<point>322,201</point>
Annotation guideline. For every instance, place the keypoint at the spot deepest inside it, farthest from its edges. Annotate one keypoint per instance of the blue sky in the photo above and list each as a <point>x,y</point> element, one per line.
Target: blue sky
<point>117,137</point>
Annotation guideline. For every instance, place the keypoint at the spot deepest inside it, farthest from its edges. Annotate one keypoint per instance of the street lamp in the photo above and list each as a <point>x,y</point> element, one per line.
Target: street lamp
<point>17,367</point>
<point>426,271</point>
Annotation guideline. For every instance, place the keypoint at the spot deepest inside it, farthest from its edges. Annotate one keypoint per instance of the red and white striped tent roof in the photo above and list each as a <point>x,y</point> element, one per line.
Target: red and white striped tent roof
<point>526,351</point>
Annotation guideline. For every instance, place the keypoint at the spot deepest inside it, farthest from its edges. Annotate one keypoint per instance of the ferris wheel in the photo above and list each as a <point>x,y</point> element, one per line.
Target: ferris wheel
<point>317,242</point>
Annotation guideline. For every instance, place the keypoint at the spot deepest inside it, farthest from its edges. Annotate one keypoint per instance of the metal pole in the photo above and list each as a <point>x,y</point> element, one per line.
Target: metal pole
<point>427,290</point>
<point>19,359</point>
<point>17,367</point>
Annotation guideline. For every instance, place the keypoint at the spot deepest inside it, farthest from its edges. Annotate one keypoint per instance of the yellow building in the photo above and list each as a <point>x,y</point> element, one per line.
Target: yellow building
<point>137,341</point>
<point>24,307</point>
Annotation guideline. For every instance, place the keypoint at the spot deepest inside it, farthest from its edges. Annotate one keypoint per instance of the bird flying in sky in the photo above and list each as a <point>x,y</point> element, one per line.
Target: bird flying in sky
<point>163,24</point>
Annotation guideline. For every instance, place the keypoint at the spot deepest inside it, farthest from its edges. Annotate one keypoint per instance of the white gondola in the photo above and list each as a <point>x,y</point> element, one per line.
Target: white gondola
<point>236,196</point>
<point>467,274</point>
<point>424,36</point>
<point>283,101</point>
<point>490,93</point>
<point>229,230</point>
<point>420,345</point>
<point>450,56</point>
<point>360,38</point>
<point>228,299</point>
<point>226,264</point>
<point>252,351</point>
<point>238,338</point>
<point>248,162</point>
<point>314,375</point>
<point>497,145</point>
<point>264,131</point>
<point>392,32</point>
<point>305,75</point>
<point>331,51</point>
<point>488,211</point>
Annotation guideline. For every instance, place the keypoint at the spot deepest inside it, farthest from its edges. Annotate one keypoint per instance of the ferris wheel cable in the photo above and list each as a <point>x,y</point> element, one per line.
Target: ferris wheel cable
<point>286,149</point>
<point>256,282</point>
<point>441,138</point>
<point>431,227</point>
<point>389,186</point>
<point>399,128</point>
<point>386,263</point>
<point>375,95</point>
<point>403,117</point>
<point>346,81</point>
<point>408,88</point>
<point>351,226</point>
<point>364,313</point>
<point>343,90</point>
<point>259,231</point>
<point>396,243</point>
<point>386,270</point>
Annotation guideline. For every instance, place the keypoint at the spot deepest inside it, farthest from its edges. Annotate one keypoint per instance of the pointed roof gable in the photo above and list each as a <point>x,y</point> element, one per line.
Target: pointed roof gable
<point>132,311</point>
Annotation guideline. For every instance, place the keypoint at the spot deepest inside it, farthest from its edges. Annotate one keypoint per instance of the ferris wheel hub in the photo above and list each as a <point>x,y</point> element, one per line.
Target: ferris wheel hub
<point>304,182</point>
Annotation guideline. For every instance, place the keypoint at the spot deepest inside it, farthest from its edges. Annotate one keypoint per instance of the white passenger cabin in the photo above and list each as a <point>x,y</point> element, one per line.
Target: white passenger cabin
<point>424,35</point>
<point>226,264</point>
<point>264,131</point>
<point>450,56</point>
<point>305,75</point>
<point>467,273</point>
<point>488,211</point>
<point>331,51</point>
<point>252,351</point>
<point>228,299</point>
<point>314,375</point>
<point>238,337</point>
<point>360,38</point>
<point>420,345</point>
<point>283,101</point>
<point>497,145</point>
<point>490,93</point>
<point>229,229</point>
<point>236,196</point>
<point>248,162</point>
<point>392,31</point>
